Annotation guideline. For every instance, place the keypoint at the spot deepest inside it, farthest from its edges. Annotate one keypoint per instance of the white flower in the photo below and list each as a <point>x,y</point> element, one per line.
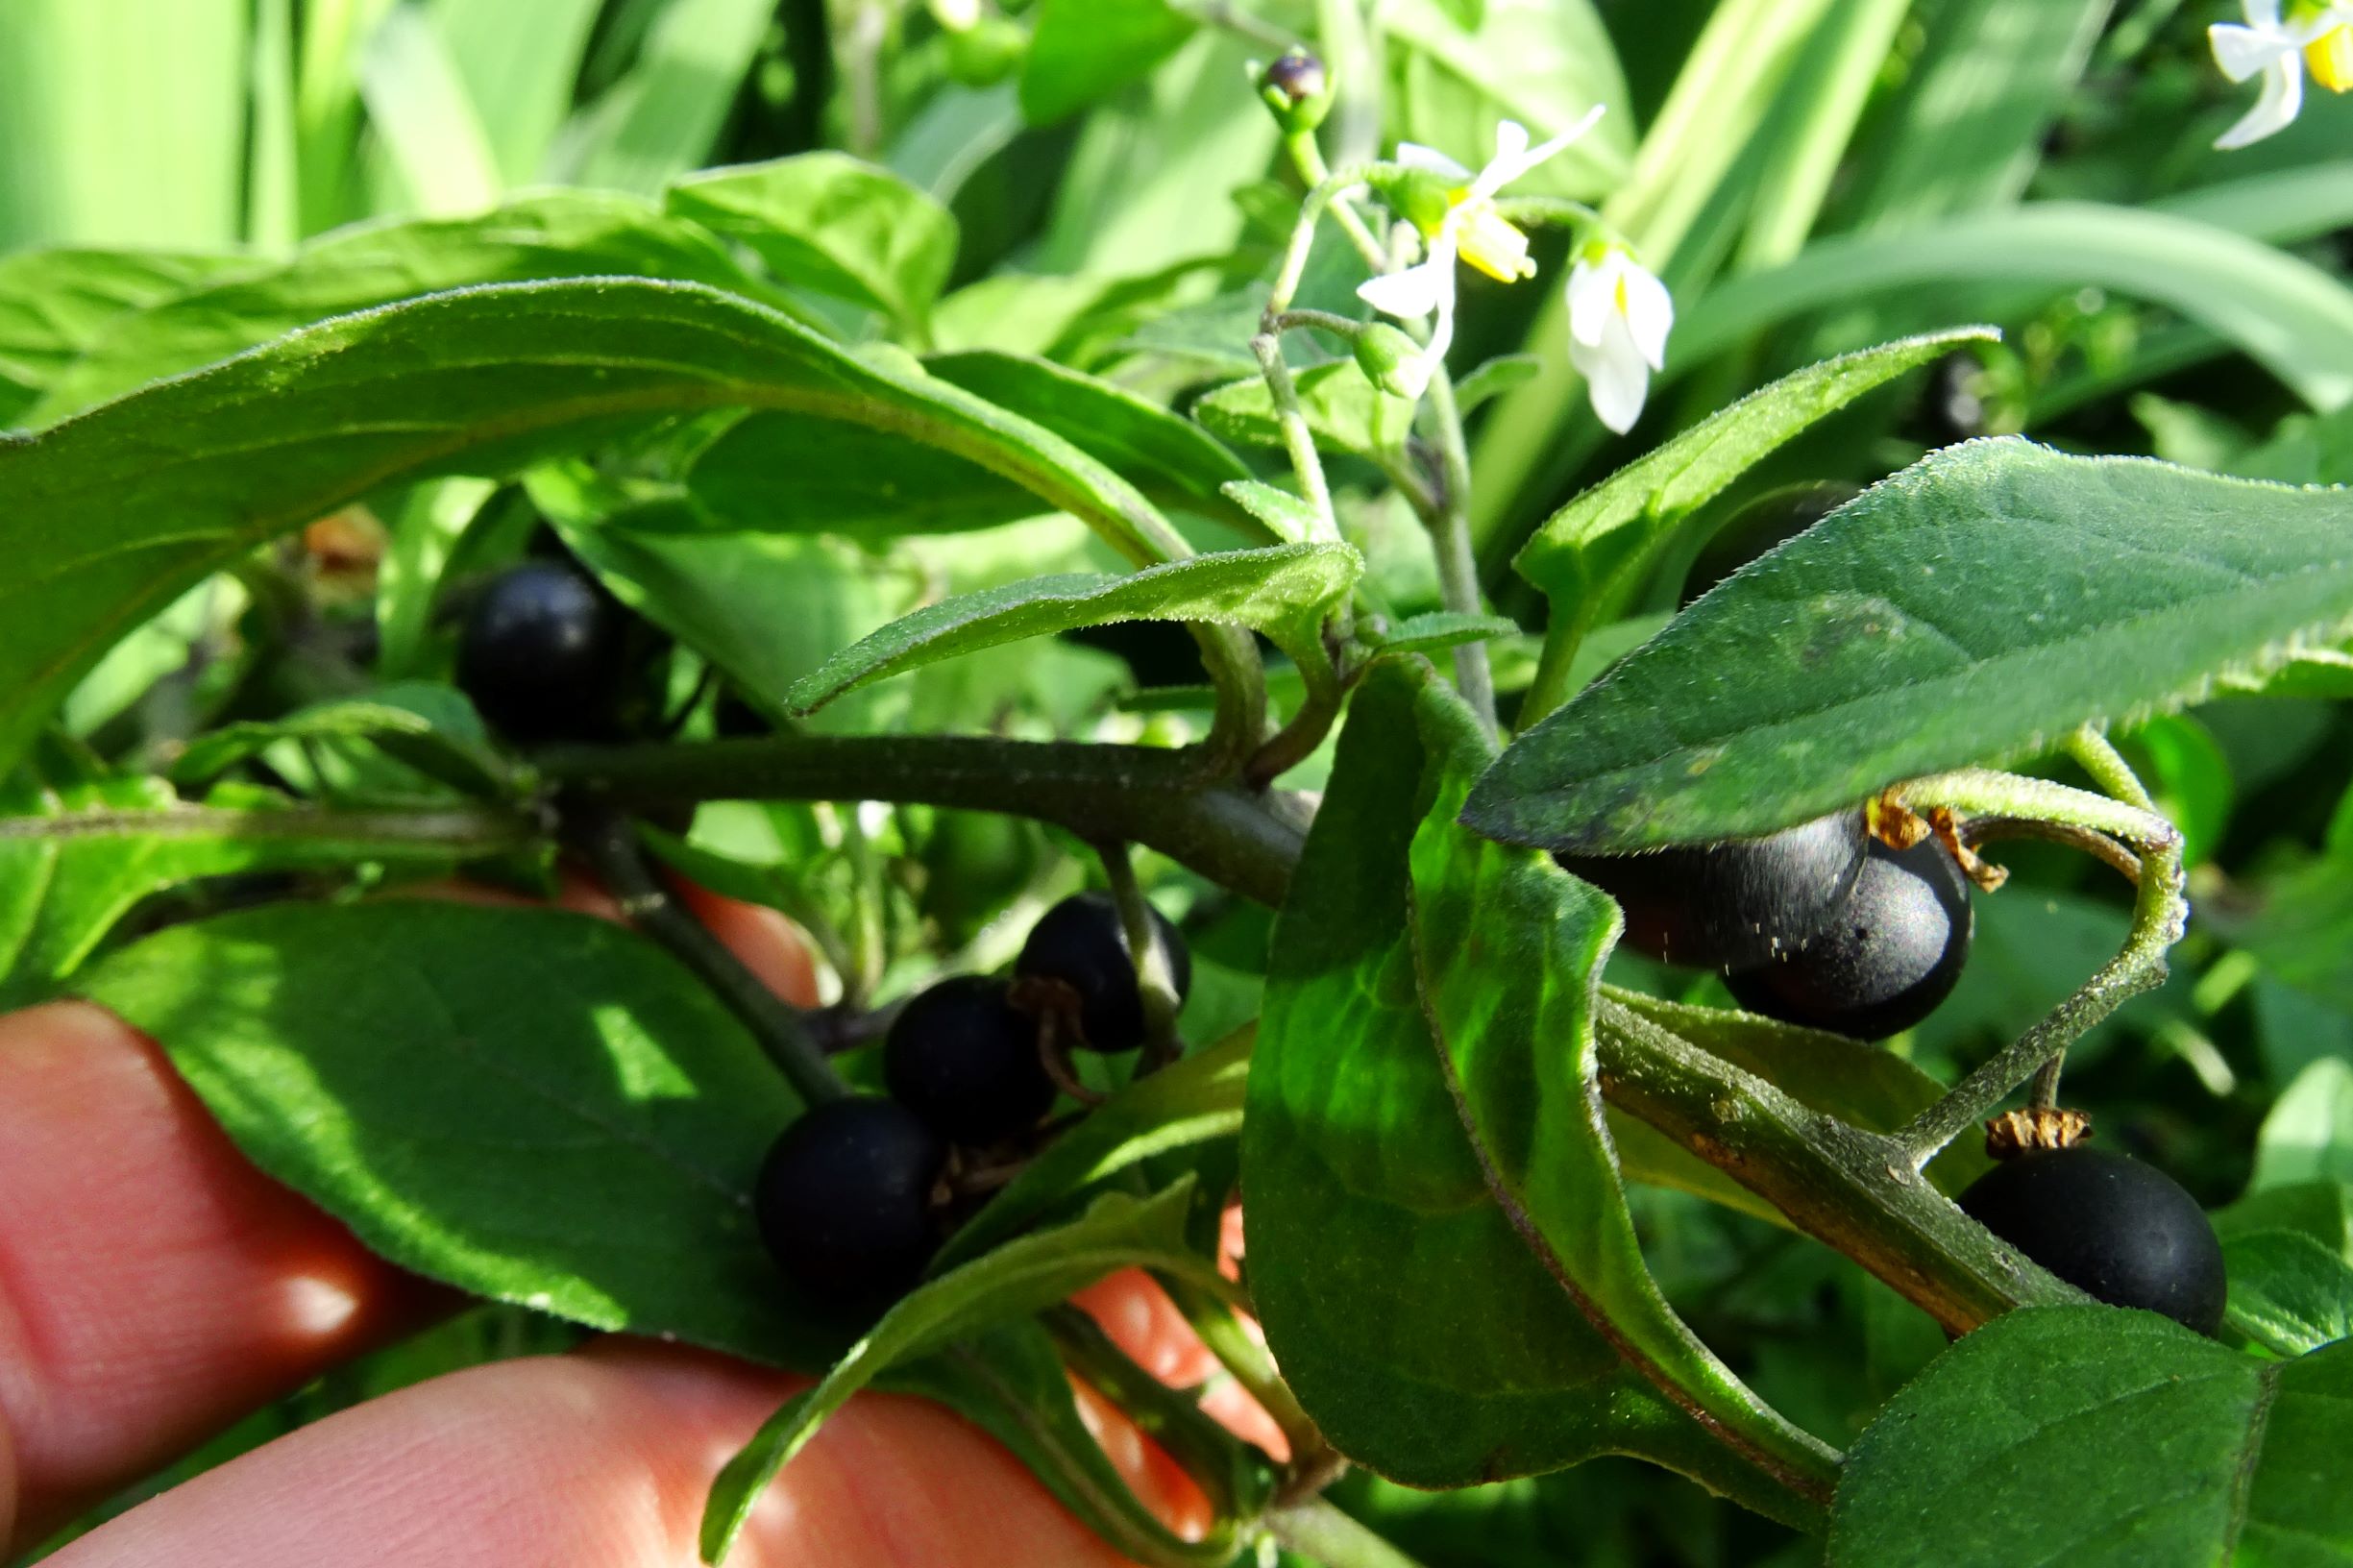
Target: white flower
<point>1619,315</point>
<point>2278,50</point>
<point>1472,228</point>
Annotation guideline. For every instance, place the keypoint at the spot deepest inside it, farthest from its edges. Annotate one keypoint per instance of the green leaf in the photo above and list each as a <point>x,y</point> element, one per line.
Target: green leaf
<point>1593,556</point>
<point>828,222</point>
<point>559,235</point>
<point>1082,50</point>
<point>2322,1211</point>
<point>1507,952</point>
<point>1194,1101</point>
<point>2308,1134</point>
<point>1504,373</point>
<point>1413,1323</point>
<point>55,303</point>
<point>2098,1437</point>
<point>109,516</point>
<point>1442,629</point>
<point>1287,517</point>
<point>665,115</point>
<point>1972,609</point>
<point>529,1105</point>
<point>429,728</point>
<point>1343,410</point>
<point>2287,1292</point>
<point>1018,1278</point>
<point>1160,452</point>
<point>1281,590</point>
<point>2289,316</point>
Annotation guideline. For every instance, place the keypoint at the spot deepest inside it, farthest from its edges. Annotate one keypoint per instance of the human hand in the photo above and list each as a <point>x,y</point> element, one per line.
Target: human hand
<point>155,1288</point>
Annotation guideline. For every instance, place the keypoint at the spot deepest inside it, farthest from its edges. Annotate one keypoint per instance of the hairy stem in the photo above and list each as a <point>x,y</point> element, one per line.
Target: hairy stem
<point>1298,441</point>
<point>1319,1531</point>
<point>1858,1191</point>
<point>610,842</point>
<point>2159,915</point>
<point>1450,532</point>
<point>1142,795</point>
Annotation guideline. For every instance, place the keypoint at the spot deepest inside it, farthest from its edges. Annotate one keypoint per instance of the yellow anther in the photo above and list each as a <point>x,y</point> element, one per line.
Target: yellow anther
<point>1488,240</point>
<point>2330,58</point>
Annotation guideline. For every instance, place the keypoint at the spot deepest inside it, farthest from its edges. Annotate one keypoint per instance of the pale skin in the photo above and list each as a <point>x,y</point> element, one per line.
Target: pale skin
<point>155,1288</point>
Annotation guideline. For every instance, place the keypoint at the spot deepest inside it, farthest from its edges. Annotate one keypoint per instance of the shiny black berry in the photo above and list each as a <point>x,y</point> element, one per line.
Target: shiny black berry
<point>1771,519</point>
<point>543,654</point>
<point>1735,904</point>
<point>844,1200</point>
<point>2118,1231</point>
<point>1885,961</point>
<point>1080,942</point>
<point>960,1057</point>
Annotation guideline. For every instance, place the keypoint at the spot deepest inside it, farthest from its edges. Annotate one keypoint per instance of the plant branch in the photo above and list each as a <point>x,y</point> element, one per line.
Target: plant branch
<point>1298,441</point>
<point>1856,1190</point>
<point>610,842</point>
<point>1319,1531</point>
<point>456,831</point>
<point>1155,976</point>
<point>1142,795</point>
<point>1450,534</point>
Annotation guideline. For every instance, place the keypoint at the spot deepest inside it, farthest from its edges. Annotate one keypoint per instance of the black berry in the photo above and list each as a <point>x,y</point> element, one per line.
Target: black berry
<point>1735,904</point>
<point>844,1200</point>
<point>1885,961</point>
<point>1080,942</point>
<point>2119,1231</point>
<point>962,1058</point>
<point>1771,519</point>
<point>543,654</point>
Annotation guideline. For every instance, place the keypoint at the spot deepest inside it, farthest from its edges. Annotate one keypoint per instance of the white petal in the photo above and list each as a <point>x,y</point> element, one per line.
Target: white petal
<point>1593,290</point>
<point>1412,155</point>
<point>2242,51</point>
<point>1616,379</point>
<point>1511,142</point>
<point>2282,95</point>
<point>1416,291</point>
<point>1504,170</point>
<point>1649,314</point>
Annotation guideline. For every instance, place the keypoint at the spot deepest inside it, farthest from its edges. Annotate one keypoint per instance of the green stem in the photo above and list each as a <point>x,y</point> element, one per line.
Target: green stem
<point>2159,915</point>
<point>1297,439</point>
<point>1155,976</point>
<point>1319,1530</point>
<point>1309,160</point>
<point>2096,755</point>
<point>462,831</point>
<point>1856,1190</point>
<point>610,842</point>
<point>1142,795</point>
<point>1312,206</point>
<point>1450,534</point>
<point>1296,741</point>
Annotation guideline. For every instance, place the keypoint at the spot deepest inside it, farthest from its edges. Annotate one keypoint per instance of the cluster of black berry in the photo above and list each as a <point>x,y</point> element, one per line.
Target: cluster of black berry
<point>849,1199</point>
<point>1820,924</point>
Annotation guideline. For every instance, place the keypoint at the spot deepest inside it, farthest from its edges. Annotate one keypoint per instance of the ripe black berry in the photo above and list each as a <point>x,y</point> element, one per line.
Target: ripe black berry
<point>1771,519</point>
<point>1297,78</point>
<point>543,654</point>
<point>844,1200</point>
<point>1080,942</point>
<point>962,1058</point>
<point>1733,904</point>
<point>2119,1231</point>
<point>1887,958</point>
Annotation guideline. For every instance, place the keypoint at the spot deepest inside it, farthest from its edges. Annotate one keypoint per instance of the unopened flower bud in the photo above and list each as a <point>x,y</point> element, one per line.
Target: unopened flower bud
<point>1391,360</point>
<point>1298,89</point>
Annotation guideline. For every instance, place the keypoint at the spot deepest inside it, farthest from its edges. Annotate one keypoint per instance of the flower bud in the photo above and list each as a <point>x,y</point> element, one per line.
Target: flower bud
<point>1391,360</point>
<point>1298,89</point>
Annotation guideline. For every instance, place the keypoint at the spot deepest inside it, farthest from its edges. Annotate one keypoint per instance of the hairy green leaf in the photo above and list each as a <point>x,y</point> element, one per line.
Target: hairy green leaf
<point>429,728</point>
<point>2100,1437</point>
<point>1016,1279</point>
<point>1593,556</point>
<point>557,234</point>
<point>530,1105</point>
<point>1973,609</point>
<point>1507,950</point>
<point>55,303</point>
<point>828,222</point>
<point>106,518</point>
<point>1406,1313</point>
<point>1440,629</point>
<point>2287,1292</point>
<point>1281,590</point>
<point>1286,516</point>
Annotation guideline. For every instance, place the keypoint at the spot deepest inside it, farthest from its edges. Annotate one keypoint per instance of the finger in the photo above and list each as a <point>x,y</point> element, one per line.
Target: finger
<point>600,1461</point>
<point>154,1286</point>
<point>1141,1319</point>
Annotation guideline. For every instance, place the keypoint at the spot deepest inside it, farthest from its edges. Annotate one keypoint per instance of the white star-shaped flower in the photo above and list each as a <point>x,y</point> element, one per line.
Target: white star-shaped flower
<point>2278,49</point>
<point>1619,316</point>
<point>1471,229</point>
